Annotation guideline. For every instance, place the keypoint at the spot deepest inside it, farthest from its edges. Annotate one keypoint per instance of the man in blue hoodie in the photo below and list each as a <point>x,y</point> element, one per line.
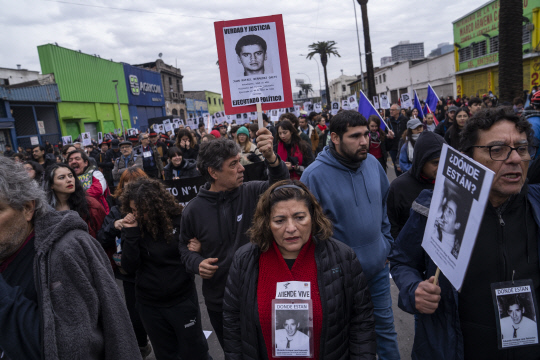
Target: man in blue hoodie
<point>352,188</point>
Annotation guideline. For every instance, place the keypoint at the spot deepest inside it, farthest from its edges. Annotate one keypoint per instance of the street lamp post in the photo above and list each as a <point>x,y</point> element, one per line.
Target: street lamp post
<point>119,109</point>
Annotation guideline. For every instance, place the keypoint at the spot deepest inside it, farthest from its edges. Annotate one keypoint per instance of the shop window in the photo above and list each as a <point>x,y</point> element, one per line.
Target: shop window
<point>465,54</point>
<point>479,49</point>
<point>494,44</point>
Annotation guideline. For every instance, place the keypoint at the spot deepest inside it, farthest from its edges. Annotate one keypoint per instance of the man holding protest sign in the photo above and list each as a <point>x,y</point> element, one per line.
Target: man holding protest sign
<point>452,325</point>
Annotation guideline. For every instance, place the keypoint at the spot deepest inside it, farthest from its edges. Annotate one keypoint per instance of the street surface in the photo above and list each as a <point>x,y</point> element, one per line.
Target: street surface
<point>403,321</point>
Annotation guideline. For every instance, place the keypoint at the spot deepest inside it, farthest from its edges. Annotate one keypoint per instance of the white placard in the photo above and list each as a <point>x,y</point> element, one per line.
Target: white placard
<point>406,101</point>
<point>168,121</point>
<point>86,139</point>
<point>274,115</point>
<point>66,140</point>
<point>293,290</point>
<point>353,104</point>
<point>335,107</point>
<point>297,110</point>
<point>317,107</point>
<point>376,102</point>
<point>99,138</point>
<point>41,126</point>
<point>456,211</point>
<point>168,127</point>
<point>345,104</point>
<point>385,104</point>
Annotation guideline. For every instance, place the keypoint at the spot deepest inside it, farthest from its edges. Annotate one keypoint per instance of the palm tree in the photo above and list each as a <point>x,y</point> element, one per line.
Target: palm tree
<point>306,88</point>
<point>510,50</point>
<point>324,49</point>
<point>367,46</point>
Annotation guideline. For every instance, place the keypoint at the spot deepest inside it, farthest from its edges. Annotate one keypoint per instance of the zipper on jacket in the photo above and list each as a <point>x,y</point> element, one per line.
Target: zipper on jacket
<point>501,221</point>
<point>323,302</point>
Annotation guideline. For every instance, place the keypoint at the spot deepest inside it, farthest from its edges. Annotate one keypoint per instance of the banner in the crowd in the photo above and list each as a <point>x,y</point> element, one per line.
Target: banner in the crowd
<point>167,121</point>
<point>274,115</point>
<point>385,103</point>
<point>353,104</point>
<point>168,127</point>
<point>192,123</point>
<point>376,102</point>
<point>457,207</point>
<point>133,132</point>
<point>86,139</point>
<point>66,140</point>
<point>335,107</point>
<point>406,101</point>
<point>253,63</point>
<point>184,190</point>
<point>317,107</point>
<point>296,110</point>
<point>99,138</point>
<point>345,105</point>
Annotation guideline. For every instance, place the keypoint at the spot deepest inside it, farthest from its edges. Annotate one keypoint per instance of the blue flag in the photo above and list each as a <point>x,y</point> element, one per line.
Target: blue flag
<point>367,109</point>
<point>417,106</point>
<point>431,99</point>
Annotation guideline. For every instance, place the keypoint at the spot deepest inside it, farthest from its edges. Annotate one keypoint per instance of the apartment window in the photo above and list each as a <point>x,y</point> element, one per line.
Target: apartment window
<point>219,101</point>
<point>479,49</point>
<point>384,77</point>
<point>465,54</point>
<point>376,81</point>
<point>170,80</point>
<point>178,85</point>
<point>209,101</point>
<point>215,101</point>
<point>526,35</point>
<point>494,44</point>
<point>343,88</point>
<point>380,79</point>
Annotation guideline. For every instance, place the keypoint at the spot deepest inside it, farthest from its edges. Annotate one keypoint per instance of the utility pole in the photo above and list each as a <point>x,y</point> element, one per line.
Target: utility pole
<point>359,50</point>
<point>119,109</point>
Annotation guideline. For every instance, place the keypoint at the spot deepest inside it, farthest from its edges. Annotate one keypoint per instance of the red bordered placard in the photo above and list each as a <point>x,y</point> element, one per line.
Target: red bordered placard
<point>245,77</point>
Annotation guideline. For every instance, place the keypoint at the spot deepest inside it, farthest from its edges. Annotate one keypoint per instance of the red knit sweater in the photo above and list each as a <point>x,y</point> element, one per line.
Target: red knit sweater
<point>273,269</point>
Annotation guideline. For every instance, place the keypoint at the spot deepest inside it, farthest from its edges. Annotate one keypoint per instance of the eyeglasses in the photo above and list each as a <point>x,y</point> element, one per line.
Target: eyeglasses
<point>502,152</point>
<point>125,147</point>
<point>145,138</point>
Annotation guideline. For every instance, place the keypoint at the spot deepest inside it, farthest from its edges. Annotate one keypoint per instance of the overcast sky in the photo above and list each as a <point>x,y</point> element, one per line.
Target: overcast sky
<point>137,31</point>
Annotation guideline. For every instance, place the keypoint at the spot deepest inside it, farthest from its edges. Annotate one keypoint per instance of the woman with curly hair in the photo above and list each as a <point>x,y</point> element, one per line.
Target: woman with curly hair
<point>166,295</point>
<point>34,170</point>
<point>65,192</point>
<point>186,142</point>
<point>292,249</point>
<point>297,152</point>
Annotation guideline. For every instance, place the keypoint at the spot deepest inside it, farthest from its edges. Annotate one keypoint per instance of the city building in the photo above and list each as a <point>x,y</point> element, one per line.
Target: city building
<point>476,41</point>
<point>443,48</point>
<point>213,99</point>
<point>10,77</point>
<point>173,88</point>
<point>196,107</point>
<point>338,87</point>
<point>86,88</point>
<point>406,51</point>
<point>145,95</point>
<point>386,60</point>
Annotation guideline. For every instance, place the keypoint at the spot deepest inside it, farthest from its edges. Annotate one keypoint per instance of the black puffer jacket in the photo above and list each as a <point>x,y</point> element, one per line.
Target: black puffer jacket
<point>348,330</point>
<point>187,169</point>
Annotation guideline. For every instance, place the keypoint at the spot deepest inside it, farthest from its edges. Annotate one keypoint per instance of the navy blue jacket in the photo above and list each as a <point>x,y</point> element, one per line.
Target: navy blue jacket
<point>437,336</point>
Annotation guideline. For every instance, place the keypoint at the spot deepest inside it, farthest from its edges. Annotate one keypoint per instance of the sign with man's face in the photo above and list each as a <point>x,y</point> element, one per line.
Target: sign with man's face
<point>253,63</point>
<point>385,104</point>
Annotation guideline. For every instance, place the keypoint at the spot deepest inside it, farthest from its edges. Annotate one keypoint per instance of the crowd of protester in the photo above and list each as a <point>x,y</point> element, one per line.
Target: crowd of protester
<point>75,219</point>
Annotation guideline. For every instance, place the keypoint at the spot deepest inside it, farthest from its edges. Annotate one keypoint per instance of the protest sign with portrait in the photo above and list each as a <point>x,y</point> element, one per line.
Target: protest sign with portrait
<point>253,63</point>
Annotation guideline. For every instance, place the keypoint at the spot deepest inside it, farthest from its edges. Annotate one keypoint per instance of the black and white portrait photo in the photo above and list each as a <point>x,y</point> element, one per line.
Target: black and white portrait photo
<point>517,317</point>
<point>251,53</point>
<point>291,333</point>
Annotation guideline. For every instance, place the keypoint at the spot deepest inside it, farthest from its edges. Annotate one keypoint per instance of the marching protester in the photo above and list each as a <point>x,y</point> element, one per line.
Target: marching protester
<point>34,170</point>
<point>462,325</point>
<point>8,152</point>
<point>322,131</point>
<point>398,125</point>
<point>309,131</point>
<point>429,122</point>
<point>92,180</point>
<point>152,164</point>
<point>188,144</point>
<point>161,147</point>
<point>234,202</point>
<point>250,153</point>
<point>65,192</point>
<point>179,167</point>
<point>107,235</point>
<point>166,294</point>
<point>359,217</point>
<point>406,188</point>
<point>38,154</point>
<point>408,140</point>
<point>452,135</point>
<point>377,141</point>
<point>445,124</point>
<point>19,158</point>
<point>474,104</point>
<point>66,150</point>
<point>291,242</point>
<point>128,159</point>
<point>59,298</point>
<point>297,153</point>
<point>105,163</point>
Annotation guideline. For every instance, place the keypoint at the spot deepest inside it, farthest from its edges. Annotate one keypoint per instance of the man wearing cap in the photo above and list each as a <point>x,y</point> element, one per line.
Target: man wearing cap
<point>127,159</point>
<point>161,148</point>
<point>446,123</point>
<point>152,164</point>
<point>397,124</point>
<point>223,131</point>
<point>104,163</point>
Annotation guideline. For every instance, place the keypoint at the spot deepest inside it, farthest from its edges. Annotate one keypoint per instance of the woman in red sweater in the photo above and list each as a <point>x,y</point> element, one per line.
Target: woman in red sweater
<point>295,291</point>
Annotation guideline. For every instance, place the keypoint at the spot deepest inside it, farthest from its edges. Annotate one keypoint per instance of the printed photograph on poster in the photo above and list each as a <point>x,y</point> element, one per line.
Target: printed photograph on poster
<point>132,132</point>
<point>406,101</point>
<point>192,123</point>
<point>86,139</point>
<point>297,110</point>
<point>291,328</point>
<point>274,115</point>
<point>168,127</point>
<point>253,52</point>
<point>253,116</point>
<point>317,107</point>
<point>175,121</point>
<point>335,108</point>
<point>345,104</point>
<point>306,105</point>
<point>168,121</point>
<point>290,110</point>
<point>376,102</point>
<point>99,138</point>
<point>459,199</point>
<point>353,104</point>
<point>385,104</point>
<point>161,129</point>
<point>108,136</point>
<point>517,312</point>
<point>66,140</point>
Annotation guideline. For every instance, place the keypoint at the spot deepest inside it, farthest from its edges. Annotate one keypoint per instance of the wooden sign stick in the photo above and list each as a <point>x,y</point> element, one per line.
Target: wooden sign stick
<point>437,273</point>
<point>259,116</point>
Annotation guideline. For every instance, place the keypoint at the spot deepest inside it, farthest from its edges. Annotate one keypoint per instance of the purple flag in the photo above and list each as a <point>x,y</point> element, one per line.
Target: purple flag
<point>418,106</point>
<point>367,109</point>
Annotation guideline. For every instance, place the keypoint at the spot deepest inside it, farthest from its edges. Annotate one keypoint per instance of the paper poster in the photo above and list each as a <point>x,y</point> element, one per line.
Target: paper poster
<point>292,328</point>
<point>406,101</point>
<point>99,138</point>
<point>86,139</point>
<point>168,127</point>
<point>168,121</point>
<point>253,63</point>
<point>192,123</point>
<point>353,104</point>
<point>376,102</point>
<point>132,132</point>
<point>345,104</point>
<point>274,115</point>
<point>385,104</point>
<point>516,313</point>
<point>457,207</point>
<point>296,110</point>
<point>41,126</point>
<point>335,107</point>
<point>317,107</point>
<point>66,140</point>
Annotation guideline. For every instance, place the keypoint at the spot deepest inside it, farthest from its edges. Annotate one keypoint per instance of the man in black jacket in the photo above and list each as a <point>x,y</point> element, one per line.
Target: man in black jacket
<point>420,176</point>
<point>444,125</point>
<point>105,163</point>
<point>220,215</point>
<point>398,124</point>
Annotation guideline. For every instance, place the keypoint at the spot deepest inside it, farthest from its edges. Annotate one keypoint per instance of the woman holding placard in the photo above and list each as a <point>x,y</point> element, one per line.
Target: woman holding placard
<point>295,291</point>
